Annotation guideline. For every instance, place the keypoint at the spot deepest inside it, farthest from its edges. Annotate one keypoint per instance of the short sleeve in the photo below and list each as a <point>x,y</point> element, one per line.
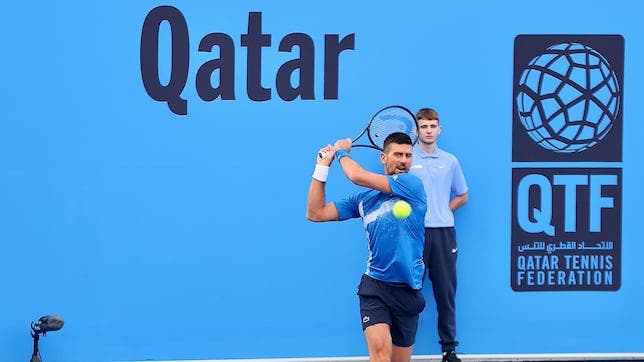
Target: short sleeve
<point>348,208</point>
<point>459,185</point>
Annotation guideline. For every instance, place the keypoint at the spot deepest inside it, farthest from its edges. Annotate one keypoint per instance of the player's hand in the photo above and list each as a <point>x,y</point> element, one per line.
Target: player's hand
<point>344,144</point>
<point>325,155</point>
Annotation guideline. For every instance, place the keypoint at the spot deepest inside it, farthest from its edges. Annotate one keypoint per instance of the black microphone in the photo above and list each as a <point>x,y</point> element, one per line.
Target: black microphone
<point>48,323</point>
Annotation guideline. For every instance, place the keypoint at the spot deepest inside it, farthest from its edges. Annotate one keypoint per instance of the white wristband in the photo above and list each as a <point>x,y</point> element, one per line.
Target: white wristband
<point>321,173</point>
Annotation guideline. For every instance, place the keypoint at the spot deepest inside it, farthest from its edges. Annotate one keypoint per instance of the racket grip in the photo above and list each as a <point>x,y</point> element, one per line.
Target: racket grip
<point>323,154</point>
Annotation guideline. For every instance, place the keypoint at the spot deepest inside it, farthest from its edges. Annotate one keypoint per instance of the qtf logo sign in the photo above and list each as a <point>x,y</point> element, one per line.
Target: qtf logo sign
<point>568,97</point>
<point>567,153</point>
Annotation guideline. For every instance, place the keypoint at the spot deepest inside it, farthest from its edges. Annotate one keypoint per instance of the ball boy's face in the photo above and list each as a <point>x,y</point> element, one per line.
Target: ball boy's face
<point>428,131</point>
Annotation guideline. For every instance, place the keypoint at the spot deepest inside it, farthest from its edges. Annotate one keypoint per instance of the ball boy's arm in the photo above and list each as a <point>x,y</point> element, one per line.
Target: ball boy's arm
<point>458,201</point>
<point>459,188</point>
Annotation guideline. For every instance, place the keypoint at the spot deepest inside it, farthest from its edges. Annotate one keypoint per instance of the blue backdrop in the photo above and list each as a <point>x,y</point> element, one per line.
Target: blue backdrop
<point>158,235</point>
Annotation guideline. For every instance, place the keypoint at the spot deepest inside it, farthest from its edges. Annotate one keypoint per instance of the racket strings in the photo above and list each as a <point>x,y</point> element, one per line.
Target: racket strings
<point>389,121</point>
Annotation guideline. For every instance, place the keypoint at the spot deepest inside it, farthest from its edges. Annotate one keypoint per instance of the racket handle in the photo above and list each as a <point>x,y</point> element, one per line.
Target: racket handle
<point>323,154</point>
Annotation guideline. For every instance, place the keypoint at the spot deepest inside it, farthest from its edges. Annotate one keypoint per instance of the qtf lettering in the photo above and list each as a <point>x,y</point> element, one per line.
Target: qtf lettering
<point>535,214</point>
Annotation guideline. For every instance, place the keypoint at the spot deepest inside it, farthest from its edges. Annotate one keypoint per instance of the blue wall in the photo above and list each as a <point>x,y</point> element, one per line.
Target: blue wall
<point>166,236</point>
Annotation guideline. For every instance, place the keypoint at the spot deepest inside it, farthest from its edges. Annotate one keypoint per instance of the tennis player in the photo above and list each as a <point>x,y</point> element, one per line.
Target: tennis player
<point>389,291</point>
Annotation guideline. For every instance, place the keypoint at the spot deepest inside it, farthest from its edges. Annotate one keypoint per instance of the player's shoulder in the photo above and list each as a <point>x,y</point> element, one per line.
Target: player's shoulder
<point>362,195</point>
<point>407,178</point>
<point>412,185</point>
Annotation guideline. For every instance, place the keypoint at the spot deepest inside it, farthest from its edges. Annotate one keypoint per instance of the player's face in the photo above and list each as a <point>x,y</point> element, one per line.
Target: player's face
<point>397,159</point>
<point>428,131</point>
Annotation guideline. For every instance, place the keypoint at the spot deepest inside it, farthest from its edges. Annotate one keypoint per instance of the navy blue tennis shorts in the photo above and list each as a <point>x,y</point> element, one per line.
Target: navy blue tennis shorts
<point>398,305</point>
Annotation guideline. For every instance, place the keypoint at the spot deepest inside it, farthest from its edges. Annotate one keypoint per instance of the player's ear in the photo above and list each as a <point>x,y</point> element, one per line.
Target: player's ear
<point>382,157</point>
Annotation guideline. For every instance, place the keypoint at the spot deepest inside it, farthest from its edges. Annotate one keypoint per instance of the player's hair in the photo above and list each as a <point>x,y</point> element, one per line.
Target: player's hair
<point>429,114</point>
<point>399,138</point>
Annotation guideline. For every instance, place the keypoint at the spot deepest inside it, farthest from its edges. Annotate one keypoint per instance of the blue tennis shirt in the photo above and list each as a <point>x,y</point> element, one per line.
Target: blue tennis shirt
<point>395,245</point>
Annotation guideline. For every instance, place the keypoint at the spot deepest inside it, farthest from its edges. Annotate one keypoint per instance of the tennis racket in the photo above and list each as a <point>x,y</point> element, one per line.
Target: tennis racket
<point>385,122</point>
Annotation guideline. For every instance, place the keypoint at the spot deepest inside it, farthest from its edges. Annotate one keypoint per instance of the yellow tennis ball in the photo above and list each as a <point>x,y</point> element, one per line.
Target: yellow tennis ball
<point>401,209</point>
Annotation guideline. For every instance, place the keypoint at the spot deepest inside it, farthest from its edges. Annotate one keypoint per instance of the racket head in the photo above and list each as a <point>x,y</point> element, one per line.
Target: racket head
<point>388,120</point>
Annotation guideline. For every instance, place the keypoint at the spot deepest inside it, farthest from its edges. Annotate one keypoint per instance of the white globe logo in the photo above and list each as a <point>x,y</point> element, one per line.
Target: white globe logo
<point>568,98</point>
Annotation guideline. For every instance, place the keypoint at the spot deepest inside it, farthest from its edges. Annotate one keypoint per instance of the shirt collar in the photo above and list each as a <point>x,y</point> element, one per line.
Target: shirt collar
<point>423,154</point>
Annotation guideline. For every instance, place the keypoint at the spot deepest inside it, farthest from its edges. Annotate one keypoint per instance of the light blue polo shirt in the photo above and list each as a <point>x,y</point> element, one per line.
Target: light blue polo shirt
<point>395,245</point>
<point>442,177</point>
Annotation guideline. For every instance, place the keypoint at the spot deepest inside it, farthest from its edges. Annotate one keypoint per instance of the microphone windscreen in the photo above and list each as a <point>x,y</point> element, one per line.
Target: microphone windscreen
<point>50,323</point>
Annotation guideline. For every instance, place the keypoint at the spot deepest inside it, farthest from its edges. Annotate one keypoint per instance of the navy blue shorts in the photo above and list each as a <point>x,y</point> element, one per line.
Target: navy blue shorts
<point>397,305</point>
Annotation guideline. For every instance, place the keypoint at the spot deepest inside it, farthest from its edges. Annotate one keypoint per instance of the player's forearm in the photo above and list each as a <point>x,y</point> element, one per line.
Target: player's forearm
<point>362,177</point>
<point>316,201</point>
<point>353,171</point>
